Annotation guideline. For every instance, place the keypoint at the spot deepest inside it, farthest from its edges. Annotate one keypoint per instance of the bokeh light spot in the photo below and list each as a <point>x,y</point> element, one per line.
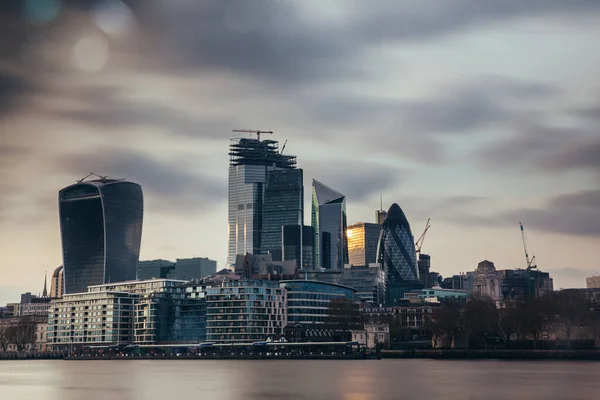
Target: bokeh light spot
<point>90,54</point>
<point>42,10</point>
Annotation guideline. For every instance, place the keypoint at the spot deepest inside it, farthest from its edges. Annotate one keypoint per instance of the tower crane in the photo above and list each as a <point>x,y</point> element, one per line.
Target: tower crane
<point>530,261</point>
<point>258,132</point>
<point>419,242</point>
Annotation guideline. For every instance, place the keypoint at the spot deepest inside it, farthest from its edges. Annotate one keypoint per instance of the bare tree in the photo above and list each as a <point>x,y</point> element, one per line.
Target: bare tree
<point>444,324</point>
<point>480,318</point>
<point>511,320</point>
<point>573,310</point>
<point>22,333</point>
<point>343,316</point>
<point>4,338</point>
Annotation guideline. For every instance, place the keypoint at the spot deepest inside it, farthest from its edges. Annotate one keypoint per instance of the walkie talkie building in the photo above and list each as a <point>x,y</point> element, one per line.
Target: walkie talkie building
<point>101,232</point>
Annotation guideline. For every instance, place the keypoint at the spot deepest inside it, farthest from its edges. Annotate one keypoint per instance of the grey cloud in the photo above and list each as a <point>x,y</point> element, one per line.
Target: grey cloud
<point>359,181</point>
<point>172,186</point>
<point>569,214</point>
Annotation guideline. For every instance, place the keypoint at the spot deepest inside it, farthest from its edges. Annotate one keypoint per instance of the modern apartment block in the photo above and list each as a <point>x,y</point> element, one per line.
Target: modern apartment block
<point>245,311</point>
<point>101,232</point>
<point>134,312</point>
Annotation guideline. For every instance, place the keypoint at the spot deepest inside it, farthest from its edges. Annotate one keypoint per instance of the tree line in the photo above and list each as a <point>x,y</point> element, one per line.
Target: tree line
<point>478,323</point>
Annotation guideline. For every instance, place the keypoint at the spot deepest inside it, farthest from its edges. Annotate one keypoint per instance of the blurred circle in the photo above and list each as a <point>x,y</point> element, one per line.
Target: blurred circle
<point>90,54</point>
<point>113,17</point>
<point>42,10</point>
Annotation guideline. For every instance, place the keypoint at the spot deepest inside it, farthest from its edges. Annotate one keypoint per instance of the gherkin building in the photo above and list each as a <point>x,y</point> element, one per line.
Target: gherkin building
<point>396,253</point>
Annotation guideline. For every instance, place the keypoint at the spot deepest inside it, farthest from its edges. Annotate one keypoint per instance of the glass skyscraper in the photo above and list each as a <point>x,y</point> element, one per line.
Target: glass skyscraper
<point>249,162</point>
<point>363,239</point>
<point>299,248</point>
<point>329,220</point>
<point>101,232</point>
<point>283,205</point>
<point>397,254</point>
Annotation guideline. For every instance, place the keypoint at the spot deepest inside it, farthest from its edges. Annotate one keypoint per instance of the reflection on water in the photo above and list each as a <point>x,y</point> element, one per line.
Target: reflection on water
<point>344,380</point>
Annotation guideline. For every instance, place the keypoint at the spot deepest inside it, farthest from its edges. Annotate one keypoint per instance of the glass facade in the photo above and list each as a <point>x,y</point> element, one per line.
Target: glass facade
<point>155,269</point>
<point>101,231</point>
<point>369,282</point>
<point>250,161</point>
<point>283,205</point>
<point>194,268</point>
<point>138,312</point>
<point>308,301</point>
<point>328,217</point>
<point>245,311</point>
<point>363,239</point>
<point>293,242</point>
<point>397,254</point>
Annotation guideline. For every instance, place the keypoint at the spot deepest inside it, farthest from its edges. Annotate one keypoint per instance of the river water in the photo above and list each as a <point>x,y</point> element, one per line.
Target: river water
<point>331,380</point>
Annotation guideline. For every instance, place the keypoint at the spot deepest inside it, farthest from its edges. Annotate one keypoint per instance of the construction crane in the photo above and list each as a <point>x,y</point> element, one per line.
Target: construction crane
<point>258,132</point>
<point>283,148</point>
<point>419,242</point>
<point>530,261</point>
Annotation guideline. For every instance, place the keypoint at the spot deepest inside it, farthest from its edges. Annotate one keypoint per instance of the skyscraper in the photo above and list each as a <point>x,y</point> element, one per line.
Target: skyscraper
<point>397,254</point>
<point>329,220</point>
<point>299,248</point>
<point>363,239</point>
<point>56,283</point>
<point>249,162</point>
<point>283,205</point>
<point>101,232</point>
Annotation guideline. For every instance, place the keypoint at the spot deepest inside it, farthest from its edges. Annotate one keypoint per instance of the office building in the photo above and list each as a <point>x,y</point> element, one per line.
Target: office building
<point>101,232</point>
<point>308,301</point>
<point>283,205</point>
<point>593,282</point>
<point>424,264</point>
<point>152,269</point>
<point>363,239</point>
<point>196,268</point>
<point>56,283</point>
<point>245,311</point>
<point>31,304</point>
<point>368,281</point>
<point>329,221</point>
<point>249,162</point>
<point>397,255</point>
<point>299,247</point>
<point>487,281</point>
<point>380,216</point>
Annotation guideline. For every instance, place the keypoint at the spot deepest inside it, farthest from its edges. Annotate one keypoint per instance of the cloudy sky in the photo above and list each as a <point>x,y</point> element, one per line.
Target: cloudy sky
<point>476,113</point>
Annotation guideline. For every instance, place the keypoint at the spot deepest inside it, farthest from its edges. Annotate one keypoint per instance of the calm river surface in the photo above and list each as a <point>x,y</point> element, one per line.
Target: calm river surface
<point>348,380</point>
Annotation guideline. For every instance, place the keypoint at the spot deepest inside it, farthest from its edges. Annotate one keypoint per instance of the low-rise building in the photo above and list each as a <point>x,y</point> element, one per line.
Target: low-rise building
<point>245,311</point>
<point>135,312</point>
<point>308,301</point>
<point>373,336</point>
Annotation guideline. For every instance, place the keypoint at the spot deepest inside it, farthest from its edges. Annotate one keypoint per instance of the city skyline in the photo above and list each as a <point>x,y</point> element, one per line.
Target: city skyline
<point>451,115</point>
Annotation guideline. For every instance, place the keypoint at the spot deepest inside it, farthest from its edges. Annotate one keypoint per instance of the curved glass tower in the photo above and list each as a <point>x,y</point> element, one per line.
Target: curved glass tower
<point>101,232</point>
<point>397,254</point>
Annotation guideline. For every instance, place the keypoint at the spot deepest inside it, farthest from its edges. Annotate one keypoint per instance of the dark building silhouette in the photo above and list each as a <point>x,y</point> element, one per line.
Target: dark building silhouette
<point>299,247</point>
<point>424,269</point>
<point>397,254</point>
<point>329,220</point>
<point>283,205</point>
<point>101,232</point>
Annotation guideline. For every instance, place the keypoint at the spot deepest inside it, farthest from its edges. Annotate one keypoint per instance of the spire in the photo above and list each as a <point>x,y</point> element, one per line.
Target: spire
<point>45,292</point>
